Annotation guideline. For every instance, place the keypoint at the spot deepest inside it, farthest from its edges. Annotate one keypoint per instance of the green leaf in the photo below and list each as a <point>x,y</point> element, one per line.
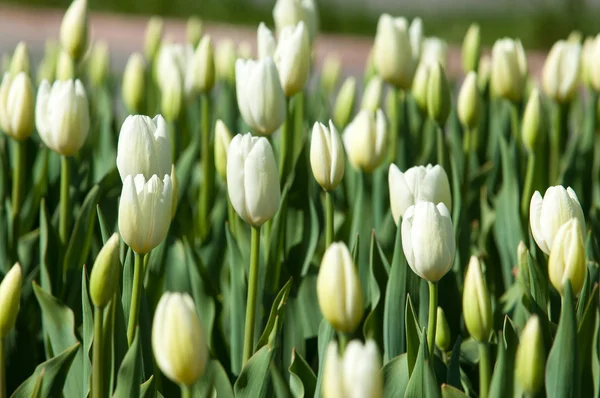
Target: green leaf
<point>254,379</point>
<point>562,367</point>
<point>214,380</point>
<point>147,388</point>
<point>326,334</point>
<point>53,373</point>
<point>88,332</point>
<point>379,269</point>
<point>596,358</point>
<point>48,261</point>
<point>422,381</point>
<point>81,237</point>
<point>309,306</point>
<point>184,167</point>
<point>237,303</point>
<point>452,392</point>
<point>292,334</point>
<point>105,230</point>
<point>395,377</point>
<point>412,335</point>
<point>302,378</point>
<point>501,384</point>
<point>37,389</point>
<point>276,311</point>
<point>128,380</point>
<point>585,338</point>
<point>453,373</point>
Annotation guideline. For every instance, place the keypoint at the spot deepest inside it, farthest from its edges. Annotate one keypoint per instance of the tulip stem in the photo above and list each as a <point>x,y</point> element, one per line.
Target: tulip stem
<point>329,215</point>
<point>232,218</point>
<point>252,293</point>
<point>527,188</point>
<point>484,370</point>
<point>18,178</point>
<point>466,169</point>
<point>65,210</point>
<point>208,170</point>
<point>286,146</point>
<point>441,150</point>
<point>186,391</point>
<point>97,390</point>
<point>432,321</point>
<point>343,340</point>
<point>558,134</point>
<point>2,370</point>
<point>136,292</point>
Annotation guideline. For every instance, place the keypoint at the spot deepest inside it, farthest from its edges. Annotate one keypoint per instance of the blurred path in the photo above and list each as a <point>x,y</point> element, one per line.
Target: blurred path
<point>125,34</point>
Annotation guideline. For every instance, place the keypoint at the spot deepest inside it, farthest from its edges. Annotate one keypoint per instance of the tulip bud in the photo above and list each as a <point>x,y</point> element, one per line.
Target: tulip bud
<point>225,57</point>
<point>265,42</point>
<point>178,339</point>
<point>154,32</point>
<point>65,67</point>
<point>134,83</point>
<point>74,29</point>
<point>483,75</point>
<point>418,183</point>
<point>339,289</point>
<point>17,106</point>
<point>175,196</point>
<point>330,72</point>
<point>145,211</point>
<point>326,156</point>
<point>10,297</point>
<point>415,34</point>
<point>344,103</point>
<point>144,147</point>
<point>172,93</point>
<point>560,73</point>
<point>442,335</point>
<point>290,12</point>
<point>428,240</point>
<point>548,214</point>
<point>523,263</point>
<point>439,100</point>
<point>47,67</point>
<point>62,116</point>
<point>471,49</point>
<point>98,63</point>
<point>365,139</point>
<point>105,273</point>
<point>477,307</point>
<point>20,60</point>
<point>356,374</point>
<point>532,121</point>
<point>222,141</point>
<point>292,57</point>
<point>252,179</point>
<point>435,50</point>
<point>260,96</point>
<point>393,52</point>
<point>193,30</point>
<point>371,99</point>
<point>469,102</point>
<point>567,257</point>
<point>200,75</point>
<point>509,67</point>
<point>530,357</point>
<point>419,87</point>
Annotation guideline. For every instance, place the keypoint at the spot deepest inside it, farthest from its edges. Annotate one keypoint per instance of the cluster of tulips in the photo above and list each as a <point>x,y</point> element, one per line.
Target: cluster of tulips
<point>395,246</point>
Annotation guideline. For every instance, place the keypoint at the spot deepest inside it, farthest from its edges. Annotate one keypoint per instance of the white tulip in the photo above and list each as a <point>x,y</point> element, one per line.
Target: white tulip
<point>477,306</point>
<point>265,42</point>
<point>292,57</point>
<point>178,339</point>
<point>144,147</point>
<point>62,116</point>
<point>365,139</point>
<point>417,183</point>
<point>10,299</point>
<point>393,52</point>
<point>134,83</point>
<point>548,214</point>
<point>17,106</point>
<point>290,12</point>
<point>415,33</point>
<point>74,29</point>
<point>428,240</point>
<point>508,69</point>
<point>145,211</point>
<point>200,70</point>
<point>260,96</point>
<point>567,258</point>
<point>326,156</point>
<point>252,179</point>
<point>225,56</point>
<point>435,50</point>
<point>222,141</point>
<point>371,99</point>
<point>560,73</point>
<point>172,92</point>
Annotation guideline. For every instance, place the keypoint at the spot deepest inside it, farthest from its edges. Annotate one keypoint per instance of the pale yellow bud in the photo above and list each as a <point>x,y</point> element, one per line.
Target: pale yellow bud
<point>134,86</point>
<point>442,335</point>
<point>439,100</point>
<point>10,297</point>
<point>530,357</point>
<point>471,49</point>
<point>477,306</point>
<point>222,140</point>
<point>371,99</point>
<point>469,102</point>
<point>98,63</point>
<point>74,30</point>
<point>532,121</point>
<point>419,87</point>
<point>20,60</point>
<point>344,103</point>
<point>154,32</point>
<point>193,30</point>
<point>567,258</point>
<point>104,278</point>
<point>65,67</point>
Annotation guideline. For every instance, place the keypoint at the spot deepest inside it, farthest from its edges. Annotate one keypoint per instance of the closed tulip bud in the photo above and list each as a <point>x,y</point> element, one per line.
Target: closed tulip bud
<point>98,63</point>
<point>144,147</point>
<point>326,156</point>
<point>428,240</point>
<point>415,33</point>
<point>339,290</point>
<point>10,297</point>
<point>530,357</point>
<point>145,211</point>
<point>225,57</point>
<point>523,263</point>
<point>252,179</point>
<point>171,87</point>
<point>65,67</point>
<point>344,103</point>
<point>588,57</point>
<point>178,339</point>
<point>175,196</point>
<point>356,374</point>
<point>20,60</point>
<point>485,70</point>
<point>134,85</point>
<point>435,50</point>
<point>532,121</point>
<point>509,67</point>
<point>330,73</point>
<point>47,67</point>
<point>105,273</point>
<point>419,183</point>
<point>477,306</point>
<point>17,106</point>
<point>567,257</point>
<point>393,52</point>
<point>260,96</point>
<point>154,32</point>
<point>469,102</point>
<point>62,116</point>
<point>74,29</point>
<point>371,99</point>
<point>200,75</point>
<point>560,73</point>
<point>442,336</point>
<point>548,214</point>
<point>292,57</point>
<point>439,99</point>
<point>193,30</point>
<point>222,141</point>
<point>290,12</point>
<point>265,42</point>
<point>419,87</point>
<point>365,139</point>
<point>471,49</point>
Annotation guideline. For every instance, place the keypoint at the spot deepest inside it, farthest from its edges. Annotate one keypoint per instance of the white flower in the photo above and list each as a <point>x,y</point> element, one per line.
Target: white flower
<point>435,50</point>
<point>567,258</point>
<point>290,12</point>
<point>265,42</point>
<point>74,29</point>
<point>134,83</point>
<point>292,57</point>
<point>222,141</point>
<point>365,140</point>
<point>560,73</point>
<point>326,156</point>
<point>477,307</point>
<point>17,106</point>
<point>394,50</point>
<point>200,71</point>
<point>10,299</point>
<point>508,69</point>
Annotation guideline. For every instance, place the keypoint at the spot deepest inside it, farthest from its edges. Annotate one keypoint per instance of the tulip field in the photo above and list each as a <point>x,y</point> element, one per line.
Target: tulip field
<point>222,221</point>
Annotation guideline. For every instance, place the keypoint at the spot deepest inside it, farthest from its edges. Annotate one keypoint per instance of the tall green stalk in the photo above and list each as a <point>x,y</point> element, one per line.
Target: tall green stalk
<point>467,148</point>
<point>97,377</point>
<point>441,147</point>
<point>558,135</point>
<point>286,147</point>
<point>136,293</point>
<point>484,370</point>
<point>343,341</point>
<point>252,293</point>
<point>432,320</point>
<point>527,190</point>
<point>208,170</point>
<point>186,391</point>
<point>329,216</point>
<point>18,176</point>
<point>65,209</point>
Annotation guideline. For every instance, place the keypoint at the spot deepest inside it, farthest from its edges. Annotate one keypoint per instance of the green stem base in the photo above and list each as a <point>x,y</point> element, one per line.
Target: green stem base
<point>97,378</point>
<point>329,221</point>
<point>136,293</point>
<point>484,370</point>
<point>252,293</point>
<point>432,321</point>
